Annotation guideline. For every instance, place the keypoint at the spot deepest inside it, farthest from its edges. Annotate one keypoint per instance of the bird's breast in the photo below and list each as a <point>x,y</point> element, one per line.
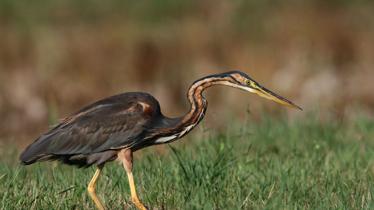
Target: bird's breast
<point>165,139</point>
<point>185,130</point>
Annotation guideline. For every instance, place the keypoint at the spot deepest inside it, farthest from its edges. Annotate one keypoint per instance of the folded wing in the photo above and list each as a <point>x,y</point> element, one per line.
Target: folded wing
<point>111,124</point>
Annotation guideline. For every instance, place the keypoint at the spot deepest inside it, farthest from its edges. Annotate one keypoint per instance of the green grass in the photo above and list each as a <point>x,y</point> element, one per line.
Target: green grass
<point>272,164</point>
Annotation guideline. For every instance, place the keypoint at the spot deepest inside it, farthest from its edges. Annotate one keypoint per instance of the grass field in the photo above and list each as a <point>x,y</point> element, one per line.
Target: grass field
<point>272,164</point>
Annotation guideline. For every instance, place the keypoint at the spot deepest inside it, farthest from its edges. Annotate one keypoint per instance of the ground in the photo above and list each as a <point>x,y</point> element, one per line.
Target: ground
<point>274,163</point>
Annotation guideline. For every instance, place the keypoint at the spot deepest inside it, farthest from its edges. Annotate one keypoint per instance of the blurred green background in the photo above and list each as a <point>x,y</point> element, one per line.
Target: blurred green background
<point>56,56</point>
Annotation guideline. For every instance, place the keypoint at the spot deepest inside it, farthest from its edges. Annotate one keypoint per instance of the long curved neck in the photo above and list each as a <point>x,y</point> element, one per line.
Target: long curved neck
<point>197,100</point>
<point>178,127</point>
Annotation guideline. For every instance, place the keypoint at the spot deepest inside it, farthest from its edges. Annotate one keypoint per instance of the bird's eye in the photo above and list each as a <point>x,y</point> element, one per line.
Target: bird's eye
<point>251,83</point>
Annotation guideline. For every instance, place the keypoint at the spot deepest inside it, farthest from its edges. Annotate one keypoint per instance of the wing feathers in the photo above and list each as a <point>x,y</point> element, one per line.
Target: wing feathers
<point>114,123</point>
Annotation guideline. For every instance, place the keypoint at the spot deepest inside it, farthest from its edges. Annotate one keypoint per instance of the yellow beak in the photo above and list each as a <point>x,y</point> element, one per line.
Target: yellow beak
<point>263,92</point>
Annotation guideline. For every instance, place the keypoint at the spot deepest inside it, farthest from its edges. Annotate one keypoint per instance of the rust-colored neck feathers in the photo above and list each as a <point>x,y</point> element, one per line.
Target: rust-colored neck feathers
<point>197,100</point>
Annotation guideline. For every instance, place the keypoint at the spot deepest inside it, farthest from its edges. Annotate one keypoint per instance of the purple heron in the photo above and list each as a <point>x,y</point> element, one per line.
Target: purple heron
<point>115,127</point>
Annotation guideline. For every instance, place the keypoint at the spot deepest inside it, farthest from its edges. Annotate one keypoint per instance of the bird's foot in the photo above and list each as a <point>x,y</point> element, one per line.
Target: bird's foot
<point>139,205</point>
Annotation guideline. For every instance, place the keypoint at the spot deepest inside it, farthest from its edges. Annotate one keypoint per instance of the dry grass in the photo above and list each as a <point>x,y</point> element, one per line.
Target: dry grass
<point>57,56</point>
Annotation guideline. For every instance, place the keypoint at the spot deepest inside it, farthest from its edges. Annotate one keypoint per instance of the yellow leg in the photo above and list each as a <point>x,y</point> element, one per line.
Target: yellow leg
<point>92,189</point>
<point>126,157</point>
<point>134,195</point>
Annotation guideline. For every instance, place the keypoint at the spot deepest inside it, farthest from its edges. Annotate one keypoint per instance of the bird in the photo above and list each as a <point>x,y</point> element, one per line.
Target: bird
<point>115,127</point>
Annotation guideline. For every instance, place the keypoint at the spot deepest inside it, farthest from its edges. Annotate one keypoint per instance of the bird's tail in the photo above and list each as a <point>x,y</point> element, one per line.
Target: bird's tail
<point>35,152</point>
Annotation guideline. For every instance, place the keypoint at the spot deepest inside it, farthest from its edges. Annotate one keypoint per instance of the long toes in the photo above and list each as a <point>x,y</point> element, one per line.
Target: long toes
<point>139,204</point>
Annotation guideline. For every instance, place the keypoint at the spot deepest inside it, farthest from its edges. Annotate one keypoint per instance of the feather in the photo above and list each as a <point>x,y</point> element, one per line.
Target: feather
<point>109,124</point>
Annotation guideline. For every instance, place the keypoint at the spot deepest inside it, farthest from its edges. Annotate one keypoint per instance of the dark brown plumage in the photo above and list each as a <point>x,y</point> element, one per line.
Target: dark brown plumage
<point>117,126</point>
<point>94,134</point>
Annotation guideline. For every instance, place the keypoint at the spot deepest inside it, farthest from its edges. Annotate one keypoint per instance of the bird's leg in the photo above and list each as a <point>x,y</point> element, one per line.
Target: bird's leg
<point>92,188</point>
<point>126,157</point>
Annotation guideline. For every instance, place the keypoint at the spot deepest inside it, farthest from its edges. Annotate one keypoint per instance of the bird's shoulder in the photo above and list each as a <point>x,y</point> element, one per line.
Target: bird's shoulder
<point>114,108</point>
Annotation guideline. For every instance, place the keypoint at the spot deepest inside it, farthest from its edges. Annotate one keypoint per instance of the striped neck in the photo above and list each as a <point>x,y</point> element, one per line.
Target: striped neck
<point>197,100</point>
<point>178,127</point>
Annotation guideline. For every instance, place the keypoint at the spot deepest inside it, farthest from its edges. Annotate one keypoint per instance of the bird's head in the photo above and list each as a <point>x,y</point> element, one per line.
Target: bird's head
<point>240,80</point>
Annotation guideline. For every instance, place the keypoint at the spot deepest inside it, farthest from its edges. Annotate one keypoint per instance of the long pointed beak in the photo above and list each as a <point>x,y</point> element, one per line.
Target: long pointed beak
<point>264,92</point>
